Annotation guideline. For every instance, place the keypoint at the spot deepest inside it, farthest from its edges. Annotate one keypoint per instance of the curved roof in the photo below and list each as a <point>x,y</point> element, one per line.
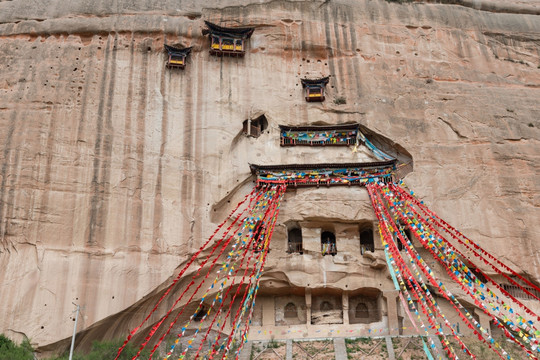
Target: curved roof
<point>254,168</point>
<point>319,81</point>
<point>320,127</point>
<point>242,33</point>
<point>176,51</point>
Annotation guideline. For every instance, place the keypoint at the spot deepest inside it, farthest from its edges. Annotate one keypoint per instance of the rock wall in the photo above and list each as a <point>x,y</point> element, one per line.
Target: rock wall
<point>113,169</point>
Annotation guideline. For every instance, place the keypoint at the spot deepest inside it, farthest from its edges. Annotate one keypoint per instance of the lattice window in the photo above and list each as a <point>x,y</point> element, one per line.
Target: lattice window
<point>517,292</point>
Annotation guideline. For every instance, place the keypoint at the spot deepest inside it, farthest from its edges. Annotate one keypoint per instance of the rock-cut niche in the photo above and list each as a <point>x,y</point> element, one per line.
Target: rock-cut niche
<point>255,127</point>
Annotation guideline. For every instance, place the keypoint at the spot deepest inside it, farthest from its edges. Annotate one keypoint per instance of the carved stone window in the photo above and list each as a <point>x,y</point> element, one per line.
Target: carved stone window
<point>328,243</point>
<point>407,235</point>
<point>199,316</point>
<point>294,241</point>
<point>290,311</point>
<point>479,275</point>
<point>366,241</point>
<point>258,236</point>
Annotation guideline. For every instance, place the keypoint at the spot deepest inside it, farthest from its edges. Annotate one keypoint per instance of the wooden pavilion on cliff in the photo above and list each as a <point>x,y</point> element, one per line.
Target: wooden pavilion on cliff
<point>227,41</point>
<point>314,89</point>
<point>177,57</point>
<point>333,135</point>
<point>296,175</point>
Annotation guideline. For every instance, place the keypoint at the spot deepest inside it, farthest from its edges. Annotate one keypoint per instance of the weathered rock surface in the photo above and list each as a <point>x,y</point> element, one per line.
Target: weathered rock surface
<point>113,168</point>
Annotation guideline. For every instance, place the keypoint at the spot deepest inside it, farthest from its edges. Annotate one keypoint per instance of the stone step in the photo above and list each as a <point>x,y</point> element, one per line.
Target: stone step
<point>340,350</point>
<point>390,348</point>
<point>245,354</point>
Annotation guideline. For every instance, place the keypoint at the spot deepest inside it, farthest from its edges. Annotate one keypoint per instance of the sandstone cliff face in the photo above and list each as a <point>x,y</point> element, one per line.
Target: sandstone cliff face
<point>113,168</point>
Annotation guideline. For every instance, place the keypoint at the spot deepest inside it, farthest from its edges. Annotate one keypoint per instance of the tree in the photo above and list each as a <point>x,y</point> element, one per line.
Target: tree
<point>11,351</point>
<point>106,350</point>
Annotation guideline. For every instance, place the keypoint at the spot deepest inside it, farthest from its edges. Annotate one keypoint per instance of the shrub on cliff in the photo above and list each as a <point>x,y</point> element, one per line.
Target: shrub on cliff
<point>106,350</point>
<point>11,351</point>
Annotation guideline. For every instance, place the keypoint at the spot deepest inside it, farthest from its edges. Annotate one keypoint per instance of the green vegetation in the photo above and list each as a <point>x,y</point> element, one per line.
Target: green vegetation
<point>106,350</point>
<point>366,340</point>
<point>11,351</point>
<point>482,350</point>
<point>273,344</point>
<point>100,350</point>
<point>340,100</point>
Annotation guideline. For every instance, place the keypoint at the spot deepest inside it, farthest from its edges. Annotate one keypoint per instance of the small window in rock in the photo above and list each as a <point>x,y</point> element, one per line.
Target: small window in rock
<point>406,233</point>
<point>255,127</point>
<point>361,311</point>
<point>366,241</point>
<point>479,275</point>
<point>290,311</point>
<point>199,316</point>
<point>326,306</point>
<point>258,236</point>
<point>294,241</point>
<point>413,306</point>
<point>328,243</point>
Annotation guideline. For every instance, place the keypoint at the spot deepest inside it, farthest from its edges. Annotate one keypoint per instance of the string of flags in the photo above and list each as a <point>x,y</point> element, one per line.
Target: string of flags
<point>405,222</point>
<point>226,277</point>
<point>324,176</point>
<point>221,280</point>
